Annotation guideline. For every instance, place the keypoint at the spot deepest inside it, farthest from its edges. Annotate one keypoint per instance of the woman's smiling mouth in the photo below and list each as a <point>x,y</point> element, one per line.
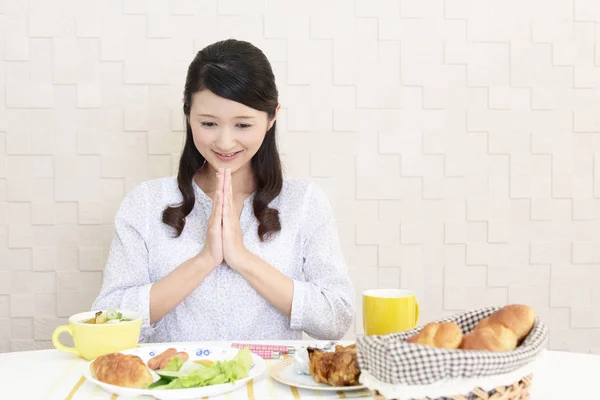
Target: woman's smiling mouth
<point>227,156</point>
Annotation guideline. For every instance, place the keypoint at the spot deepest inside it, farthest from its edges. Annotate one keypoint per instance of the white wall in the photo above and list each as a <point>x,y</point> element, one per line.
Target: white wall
<point>459,142</point>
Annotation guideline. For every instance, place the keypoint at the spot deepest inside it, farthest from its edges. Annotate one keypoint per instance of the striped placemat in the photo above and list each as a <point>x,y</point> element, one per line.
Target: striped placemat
<point>73,386</point>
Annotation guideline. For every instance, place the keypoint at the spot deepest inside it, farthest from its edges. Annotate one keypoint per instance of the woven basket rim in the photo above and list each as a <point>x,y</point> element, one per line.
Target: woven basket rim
<point>391,359</point>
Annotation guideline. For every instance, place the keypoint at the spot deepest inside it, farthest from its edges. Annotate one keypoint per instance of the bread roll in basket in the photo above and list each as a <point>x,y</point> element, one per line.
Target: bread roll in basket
<point>469,356</point>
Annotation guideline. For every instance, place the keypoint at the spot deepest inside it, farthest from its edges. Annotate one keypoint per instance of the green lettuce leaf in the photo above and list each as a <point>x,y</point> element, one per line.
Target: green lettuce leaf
<point>220,372</point>
<point>174,364</point>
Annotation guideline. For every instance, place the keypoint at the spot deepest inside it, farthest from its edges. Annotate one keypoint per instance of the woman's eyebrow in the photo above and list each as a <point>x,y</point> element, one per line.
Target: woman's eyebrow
<point>238,117</point>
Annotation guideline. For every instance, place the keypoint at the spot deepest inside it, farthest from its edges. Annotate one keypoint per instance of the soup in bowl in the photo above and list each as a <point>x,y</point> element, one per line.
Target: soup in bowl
<point>96,333</point>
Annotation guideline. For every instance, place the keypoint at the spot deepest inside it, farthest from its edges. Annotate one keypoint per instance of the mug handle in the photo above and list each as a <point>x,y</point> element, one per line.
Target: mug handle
<point>56,342</point>
<point>417,312</point>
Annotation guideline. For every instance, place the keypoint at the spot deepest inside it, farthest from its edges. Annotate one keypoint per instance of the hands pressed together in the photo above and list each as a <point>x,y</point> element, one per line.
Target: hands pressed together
<point>224,239</point>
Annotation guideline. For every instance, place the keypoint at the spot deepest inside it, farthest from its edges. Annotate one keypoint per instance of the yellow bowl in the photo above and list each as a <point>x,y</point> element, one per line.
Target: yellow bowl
<point>94,340</point>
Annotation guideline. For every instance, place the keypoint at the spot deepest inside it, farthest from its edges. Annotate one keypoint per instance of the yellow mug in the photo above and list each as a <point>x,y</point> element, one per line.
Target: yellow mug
<point>388,311</point>
<point>94,340</point>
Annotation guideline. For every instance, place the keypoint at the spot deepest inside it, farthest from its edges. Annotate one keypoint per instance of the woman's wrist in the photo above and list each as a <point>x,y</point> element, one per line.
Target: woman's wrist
<point>202,261</point>
<point>242,262</point>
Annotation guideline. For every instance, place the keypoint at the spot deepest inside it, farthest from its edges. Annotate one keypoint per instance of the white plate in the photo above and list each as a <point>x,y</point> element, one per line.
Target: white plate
<point>285,373</point>
<point>196,352</point>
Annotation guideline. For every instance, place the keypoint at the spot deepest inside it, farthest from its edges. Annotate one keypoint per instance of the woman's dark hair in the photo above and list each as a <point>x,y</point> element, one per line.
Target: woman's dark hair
<point>238,71</point>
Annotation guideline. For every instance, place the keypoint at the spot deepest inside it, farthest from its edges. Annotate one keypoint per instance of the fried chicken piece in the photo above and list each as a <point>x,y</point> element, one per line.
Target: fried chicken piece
<point>318,364</point>
<point>336,368</point>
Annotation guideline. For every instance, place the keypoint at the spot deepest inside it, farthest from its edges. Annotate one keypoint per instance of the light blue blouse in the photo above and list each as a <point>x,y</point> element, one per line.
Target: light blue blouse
<point>224,306</point>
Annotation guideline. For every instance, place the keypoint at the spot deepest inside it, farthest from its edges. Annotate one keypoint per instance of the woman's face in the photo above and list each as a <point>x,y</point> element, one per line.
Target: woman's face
<point>226,133</point>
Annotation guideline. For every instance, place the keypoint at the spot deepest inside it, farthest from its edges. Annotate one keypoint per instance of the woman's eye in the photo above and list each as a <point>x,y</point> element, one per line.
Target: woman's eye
<point>208,124</point>
<point>244,126</point>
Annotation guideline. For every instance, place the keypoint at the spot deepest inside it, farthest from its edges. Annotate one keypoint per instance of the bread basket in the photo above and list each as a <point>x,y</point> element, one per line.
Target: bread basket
<point>397,370</point>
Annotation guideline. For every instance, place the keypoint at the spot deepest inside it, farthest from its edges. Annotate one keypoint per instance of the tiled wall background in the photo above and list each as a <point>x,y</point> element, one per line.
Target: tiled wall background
<point>459,142</point>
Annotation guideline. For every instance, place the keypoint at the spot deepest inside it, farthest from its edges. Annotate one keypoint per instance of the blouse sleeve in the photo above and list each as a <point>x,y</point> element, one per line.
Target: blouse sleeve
<point>323,304</point>
<point>126,283</point>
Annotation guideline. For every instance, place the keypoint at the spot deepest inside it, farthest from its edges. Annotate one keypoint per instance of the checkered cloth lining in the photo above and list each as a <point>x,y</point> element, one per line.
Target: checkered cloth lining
<point>390,359</point>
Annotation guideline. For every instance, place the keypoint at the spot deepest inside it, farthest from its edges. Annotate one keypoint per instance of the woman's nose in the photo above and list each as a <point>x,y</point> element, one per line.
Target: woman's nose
<point>225,140</point>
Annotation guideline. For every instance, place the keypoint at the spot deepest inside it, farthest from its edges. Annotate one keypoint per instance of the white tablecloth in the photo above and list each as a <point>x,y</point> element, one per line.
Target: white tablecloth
<point>51,374</point>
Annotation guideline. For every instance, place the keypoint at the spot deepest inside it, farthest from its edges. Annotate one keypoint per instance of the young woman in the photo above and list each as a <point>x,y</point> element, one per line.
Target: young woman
<point>229,250</point>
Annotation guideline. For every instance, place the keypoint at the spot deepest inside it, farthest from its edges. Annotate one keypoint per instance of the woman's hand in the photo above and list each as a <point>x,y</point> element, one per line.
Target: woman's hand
<point>213,248</point>
<point>267,280</point>
<point>234,251</point>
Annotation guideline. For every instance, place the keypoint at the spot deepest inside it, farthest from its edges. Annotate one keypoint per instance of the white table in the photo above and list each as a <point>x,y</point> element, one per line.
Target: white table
<point>51,374</point>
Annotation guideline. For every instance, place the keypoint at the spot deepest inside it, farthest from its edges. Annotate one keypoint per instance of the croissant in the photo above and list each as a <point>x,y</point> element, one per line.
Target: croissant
<point>122,370</point>
<point>446,335</point>
<point>501,331</point>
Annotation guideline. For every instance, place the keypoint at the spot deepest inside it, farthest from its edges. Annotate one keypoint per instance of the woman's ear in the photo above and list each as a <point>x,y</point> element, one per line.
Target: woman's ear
<point>272,121</point>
